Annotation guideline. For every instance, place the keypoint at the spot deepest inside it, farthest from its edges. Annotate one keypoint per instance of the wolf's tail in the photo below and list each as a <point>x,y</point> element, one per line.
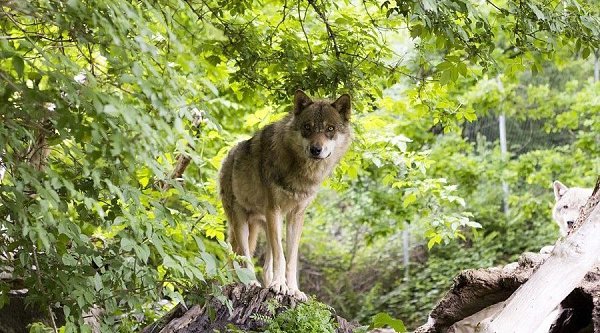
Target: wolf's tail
<point>227,197</point>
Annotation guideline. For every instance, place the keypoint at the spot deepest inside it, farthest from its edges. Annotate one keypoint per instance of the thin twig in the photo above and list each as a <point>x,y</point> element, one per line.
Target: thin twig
<point>327,26</point>
<point>39,280</point>
<point>494,5</point>
<point>304,31</point>
<point>284,16</point>
<point>183,160</point>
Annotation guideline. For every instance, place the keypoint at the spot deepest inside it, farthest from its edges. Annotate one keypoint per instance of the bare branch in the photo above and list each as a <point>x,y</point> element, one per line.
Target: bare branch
<point>183,160</point>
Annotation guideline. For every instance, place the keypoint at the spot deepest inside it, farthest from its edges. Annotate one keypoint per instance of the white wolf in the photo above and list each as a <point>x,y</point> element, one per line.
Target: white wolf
<point>568,203</point>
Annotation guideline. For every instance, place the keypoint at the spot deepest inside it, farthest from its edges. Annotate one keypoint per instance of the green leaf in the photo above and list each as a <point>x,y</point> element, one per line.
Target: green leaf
<point>98,282</point>
<point>538,13</point>
<point>18,65</point>
<point>435,239</point>
<point>409,199</point>
<point>244,274</point>
<point>110,109</point>
<point>143,252</point>
<point>585,53</point>
<point>69,260</point>
<point>383,319</point>
<point>211,264</point>
<point>127,244</point>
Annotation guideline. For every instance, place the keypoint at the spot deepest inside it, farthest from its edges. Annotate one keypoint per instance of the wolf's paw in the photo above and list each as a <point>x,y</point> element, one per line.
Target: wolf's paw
<point>279,287</point>
<point>297,294</point>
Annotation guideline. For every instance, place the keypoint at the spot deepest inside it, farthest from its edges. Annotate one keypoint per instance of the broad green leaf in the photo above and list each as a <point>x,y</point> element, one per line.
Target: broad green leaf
<point>19,65</point>
<point>244,274</point>
<point>383,319</point>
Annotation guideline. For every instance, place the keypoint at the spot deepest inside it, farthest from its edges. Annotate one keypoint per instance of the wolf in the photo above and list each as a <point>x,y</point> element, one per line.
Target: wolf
<point>568,203</point>
<point>276,174</point>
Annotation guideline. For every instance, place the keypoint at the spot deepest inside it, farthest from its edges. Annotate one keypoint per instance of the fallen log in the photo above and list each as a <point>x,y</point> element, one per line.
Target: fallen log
<point>556,292</point>
<point>572,258</point>
<point>248,306</point>
<point>479,294</point>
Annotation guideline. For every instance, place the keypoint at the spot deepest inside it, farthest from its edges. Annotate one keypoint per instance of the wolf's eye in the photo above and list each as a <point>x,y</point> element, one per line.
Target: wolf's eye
<point>307,127</point>
<point>330,129</point>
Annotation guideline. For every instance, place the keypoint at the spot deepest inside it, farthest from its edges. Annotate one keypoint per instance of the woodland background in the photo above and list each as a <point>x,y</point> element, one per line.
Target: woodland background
<point>97,100</point>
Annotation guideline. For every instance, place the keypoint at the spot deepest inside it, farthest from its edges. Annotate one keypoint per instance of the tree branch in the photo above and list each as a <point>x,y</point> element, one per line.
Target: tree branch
<point>330,32</point>
<point>301,20</point>
<point>183,160</point>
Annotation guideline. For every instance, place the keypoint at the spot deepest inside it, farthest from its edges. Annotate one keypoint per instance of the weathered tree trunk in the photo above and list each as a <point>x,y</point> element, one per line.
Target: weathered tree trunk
<point>479,294</point>
<point>571,259</point>
<point>248,305</point>
<point>552,293</point>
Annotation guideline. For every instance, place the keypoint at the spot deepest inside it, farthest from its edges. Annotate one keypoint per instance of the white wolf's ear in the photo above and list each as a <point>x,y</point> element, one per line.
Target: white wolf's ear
<point>301,100</point>
<point>559,189</point>
<point>343,105</point>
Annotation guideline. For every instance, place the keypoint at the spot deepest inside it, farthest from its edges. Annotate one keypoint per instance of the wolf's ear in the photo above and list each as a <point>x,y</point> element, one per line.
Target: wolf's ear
<point>301,100</point>
<point>343,105</point>
<point>559,189</point>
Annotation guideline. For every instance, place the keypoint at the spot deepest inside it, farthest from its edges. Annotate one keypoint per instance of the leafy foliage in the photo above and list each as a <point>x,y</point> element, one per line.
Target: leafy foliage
<point>311,316</point>
<point>362,273</point>
<point>106,93</point>
<point>99,99</point>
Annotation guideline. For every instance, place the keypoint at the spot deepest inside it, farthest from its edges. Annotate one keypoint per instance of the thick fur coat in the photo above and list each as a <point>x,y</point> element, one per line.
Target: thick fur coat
<point>275,175</point>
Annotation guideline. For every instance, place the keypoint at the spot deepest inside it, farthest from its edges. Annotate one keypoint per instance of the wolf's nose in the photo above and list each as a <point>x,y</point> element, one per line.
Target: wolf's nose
<point>315,151</point>
<point>570,224</point>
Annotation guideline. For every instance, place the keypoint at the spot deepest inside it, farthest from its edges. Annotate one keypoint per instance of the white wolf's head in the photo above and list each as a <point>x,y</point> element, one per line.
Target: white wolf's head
<point>568,203</point>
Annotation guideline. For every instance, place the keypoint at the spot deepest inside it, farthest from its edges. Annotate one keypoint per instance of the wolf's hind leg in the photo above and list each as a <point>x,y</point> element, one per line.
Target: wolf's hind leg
<point>253,230</point>
<point>241,230</point>
<point>257,222</point>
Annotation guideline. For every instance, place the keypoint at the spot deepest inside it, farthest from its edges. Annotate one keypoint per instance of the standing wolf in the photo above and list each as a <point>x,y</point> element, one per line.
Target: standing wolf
<point>276,174</point>
<point>568,203</point>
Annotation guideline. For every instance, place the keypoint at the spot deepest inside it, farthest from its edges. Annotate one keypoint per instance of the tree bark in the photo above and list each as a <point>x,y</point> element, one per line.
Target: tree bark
<point>248,305</point>
<point>183,160</point>
<point>571,259</point>
<point>480,294</point>
<point>555,293</point>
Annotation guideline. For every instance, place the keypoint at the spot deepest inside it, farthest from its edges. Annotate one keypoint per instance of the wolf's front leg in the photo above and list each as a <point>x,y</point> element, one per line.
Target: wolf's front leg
<point>295,220</point>
<point>274,223</point>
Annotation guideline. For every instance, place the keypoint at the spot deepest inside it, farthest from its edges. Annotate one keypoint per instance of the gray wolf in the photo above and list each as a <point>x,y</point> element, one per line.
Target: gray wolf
<point>276,174</point>
<point>568,203</point>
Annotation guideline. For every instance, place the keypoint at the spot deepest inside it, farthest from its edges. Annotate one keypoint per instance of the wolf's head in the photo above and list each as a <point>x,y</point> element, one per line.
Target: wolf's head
<point>324,126</point>
<point>568,203</point>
